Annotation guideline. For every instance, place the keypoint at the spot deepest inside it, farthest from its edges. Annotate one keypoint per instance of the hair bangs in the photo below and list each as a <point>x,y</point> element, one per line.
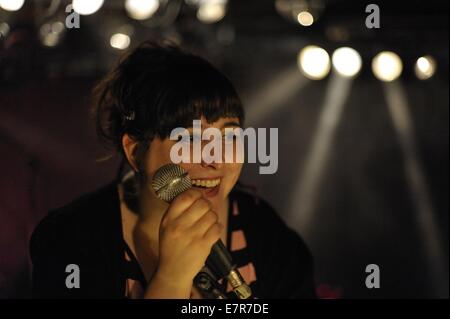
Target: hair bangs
<point>203,91</point>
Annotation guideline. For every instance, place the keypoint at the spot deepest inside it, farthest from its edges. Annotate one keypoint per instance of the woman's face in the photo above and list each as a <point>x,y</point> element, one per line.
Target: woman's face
<point>214,180</point>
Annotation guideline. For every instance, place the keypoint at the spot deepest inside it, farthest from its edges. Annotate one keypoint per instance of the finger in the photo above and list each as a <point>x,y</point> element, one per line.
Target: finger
<point>182,202</point>
<point>204,223</point>
<point>194,213</point>
<point>213,233</point>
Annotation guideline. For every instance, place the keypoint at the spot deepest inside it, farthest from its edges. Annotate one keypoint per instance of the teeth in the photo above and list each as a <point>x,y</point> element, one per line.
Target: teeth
<point>206,183</point>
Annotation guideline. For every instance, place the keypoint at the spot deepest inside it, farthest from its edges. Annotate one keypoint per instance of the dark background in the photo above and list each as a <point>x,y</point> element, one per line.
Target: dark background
<point>381,193</point>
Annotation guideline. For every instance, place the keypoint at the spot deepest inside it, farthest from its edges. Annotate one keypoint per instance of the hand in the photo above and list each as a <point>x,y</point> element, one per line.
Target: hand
<point>188,230</point>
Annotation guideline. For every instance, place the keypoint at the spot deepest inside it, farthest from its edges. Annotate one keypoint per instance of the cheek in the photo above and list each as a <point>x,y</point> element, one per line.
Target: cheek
<point>232,173</point>
<point>158,154</point>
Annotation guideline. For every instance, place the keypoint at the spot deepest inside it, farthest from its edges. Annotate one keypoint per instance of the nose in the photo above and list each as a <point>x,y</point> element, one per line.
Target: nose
<point>214,164</point>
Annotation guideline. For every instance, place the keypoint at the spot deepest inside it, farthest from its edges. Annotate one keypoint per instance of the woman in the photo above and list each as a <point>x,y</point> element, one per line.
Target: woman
<point>123,240</point>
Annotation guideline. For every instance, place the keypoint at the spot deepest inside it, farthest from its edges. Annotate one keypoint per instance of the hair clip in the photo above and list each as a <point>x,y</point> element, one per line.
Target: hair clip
<point>131,116</point>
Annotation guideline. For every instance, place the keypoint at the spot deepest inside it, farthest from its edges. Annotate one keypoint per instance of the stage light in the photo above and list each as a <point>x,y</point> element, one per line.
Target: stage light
<point>305,18</point>
<point>387,66</point>
<point>50,33</point>
<point>211,11</point>
<point>314,62</point>
<point>11,5</point>
<point>141,9</point>
<point>425,67</point>
<point>346,61</point>
<point>58,27</point>
<point>120,41</point>
<point>86,7</point>
<point>303,12</point>
<point>4,29</point>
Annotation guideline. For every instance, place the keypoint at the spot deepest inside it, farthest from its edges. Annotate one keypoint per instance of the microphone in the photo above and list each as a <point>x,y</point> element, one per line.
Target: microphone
<point>168,182</point>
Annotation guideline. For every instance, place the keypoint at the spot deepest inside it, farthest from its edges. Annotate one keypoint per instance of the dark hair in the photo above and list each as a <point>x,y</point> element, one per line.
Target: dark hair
<point>157,87</point>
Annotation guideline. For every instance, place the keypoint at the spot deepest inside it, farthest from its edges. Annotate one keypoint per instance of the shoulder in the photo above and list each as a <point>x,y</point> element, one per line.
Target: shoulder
<point>77,221</point>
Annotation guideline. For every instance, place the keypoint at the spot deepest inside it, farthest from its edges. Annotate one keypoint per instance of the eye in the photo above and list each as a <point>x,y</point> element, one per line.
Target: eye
<point>229,137</point>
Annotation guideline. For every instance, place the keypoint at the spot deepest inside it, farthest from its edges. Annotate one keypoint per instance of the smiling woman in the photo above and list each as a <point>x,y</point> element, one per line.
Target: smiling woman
<point>125,241</point>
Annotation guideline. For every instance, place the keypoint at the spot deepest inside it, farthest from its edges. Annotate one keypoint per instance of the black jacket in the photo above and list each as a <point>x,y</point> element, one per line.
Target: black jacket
<point>88,233</point>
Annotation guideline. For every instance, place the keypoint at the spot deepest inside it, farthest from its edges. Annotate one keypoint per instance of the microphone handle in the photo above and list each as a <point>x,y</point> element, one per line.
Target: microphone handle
<point>219,260</point>
<point>220,263</point>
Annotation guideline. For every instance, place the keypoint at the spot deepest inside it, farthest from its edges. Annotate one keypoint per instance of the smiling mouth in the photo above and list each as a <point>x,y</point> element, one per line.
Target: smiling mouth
<point>206,183</point>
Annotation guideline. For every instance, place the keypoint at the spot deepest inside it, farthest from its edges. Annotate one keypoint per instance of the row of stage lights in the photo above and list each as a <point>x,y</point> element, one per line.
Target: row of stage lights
<point>315,63</point>
<point>208,11</point>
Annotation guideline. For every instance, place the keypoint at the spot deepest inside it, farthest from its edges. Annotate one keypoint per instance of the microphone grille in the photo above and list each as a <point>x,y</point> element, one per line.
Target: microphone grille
<point>169,181</point>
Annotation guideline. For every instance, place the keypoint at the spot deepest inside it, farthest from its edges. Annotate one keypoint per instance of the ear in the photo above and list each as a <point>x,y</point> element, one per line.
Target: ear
<point>129,146</point>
